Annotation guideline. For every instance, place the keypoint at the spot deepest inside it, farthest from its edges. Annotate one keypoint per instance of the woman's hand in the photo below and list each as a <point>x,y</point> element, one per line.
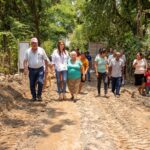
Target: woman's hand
<point>83,77</point>
<point>134,65</point>
<point>97,74</point>
<point>25,71</point>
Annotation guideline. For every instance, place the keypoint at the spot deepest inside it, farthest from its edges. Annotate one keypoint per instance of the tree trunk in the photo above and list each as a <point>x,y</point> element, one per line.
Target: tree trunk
<point>139,29</point>
<point>4,43</point>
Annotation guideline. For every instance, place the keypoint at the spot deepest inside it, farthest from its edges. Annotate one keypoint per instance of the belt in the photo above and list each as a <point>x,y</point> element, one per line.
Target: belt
<point>36,68</point>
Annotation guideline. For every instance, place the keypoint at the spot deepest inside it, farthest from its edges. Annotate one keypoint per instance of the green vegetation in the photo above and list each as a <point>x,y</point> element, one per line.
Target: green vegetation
<point>122,24</point>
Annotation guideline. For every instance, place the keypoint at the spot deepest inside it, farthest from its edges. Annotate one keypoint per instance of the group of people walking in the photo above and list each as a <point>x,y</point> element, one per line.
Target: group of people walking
<point>73,69</point>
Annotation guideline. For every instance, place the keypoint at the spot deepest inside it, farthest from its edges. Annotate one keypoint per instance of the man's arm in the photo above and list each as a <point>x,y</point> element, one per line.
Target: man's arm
<point>46,65</point>
<point>110,68</point>
<point>25,64</point>
<point>46,60</point>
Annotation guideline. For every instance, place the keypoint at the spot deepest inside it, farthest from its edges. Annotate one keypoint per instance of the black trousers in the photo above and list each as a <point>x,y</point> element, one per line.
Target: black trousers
<point>104,77</point>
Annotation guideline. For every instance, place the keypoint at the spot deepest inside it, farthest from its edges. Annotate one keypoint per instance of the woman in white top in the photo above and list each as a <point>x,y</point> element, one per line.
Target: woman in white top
<point>140,65</point>
<point>59,60</point>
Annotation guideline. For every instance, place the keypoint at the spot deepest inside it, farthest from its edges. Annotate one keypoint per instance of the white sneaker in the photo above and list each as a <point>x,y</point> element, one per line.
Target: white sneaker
<point>60,96</point>
<point>106,96</point>
<point>117,96</point>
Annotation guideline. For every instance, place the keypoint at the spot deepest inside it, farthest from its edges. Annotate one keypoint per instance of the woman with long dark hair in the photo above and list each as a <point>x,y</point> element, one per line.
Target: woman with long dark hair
<point>101,68</point>
<point>59,60</point>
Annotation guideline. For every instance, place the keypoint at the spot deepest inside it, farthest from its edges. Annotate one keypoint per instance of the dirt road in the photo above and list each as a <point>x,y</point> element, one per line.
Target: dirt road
<point>92,123</point>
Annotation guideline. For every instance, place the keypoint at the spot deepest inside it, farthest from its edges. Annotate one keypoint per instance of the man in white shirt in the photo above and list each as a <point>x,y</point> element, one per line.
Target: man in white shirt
<point>116,68</point>
<point>35,60</point>
<point>111,56</point>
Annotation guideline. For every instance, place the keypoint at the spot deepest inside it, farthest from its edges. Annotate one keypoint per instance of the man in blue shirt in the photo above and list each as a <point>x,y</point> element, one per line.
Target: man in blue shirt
<point>88,56</point>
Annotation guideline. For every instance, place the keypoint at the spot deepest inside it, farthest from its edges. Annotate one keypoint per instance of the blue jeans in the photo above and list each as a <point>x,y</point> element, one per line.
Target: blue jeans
<point>36,76</point>
<point>61,82</point>
<point>147,89</point>
<point>88,75</point>
<point>116,84</point>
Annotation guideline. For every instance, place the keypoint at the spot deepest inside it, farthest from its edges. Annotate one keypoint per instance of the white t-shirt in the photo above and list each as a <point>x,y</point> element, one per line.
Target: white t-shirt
<point>140,68</point>
<point>116,67</point>
<point>35,59</point>
<point>60,61</point>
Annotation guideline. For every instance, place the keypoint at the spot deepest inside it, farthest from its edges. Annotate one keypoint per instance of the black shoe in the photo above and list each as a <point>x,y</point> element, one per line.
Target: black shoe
<point>39,98</point>
<point>114,93</point>
<point>33,99</point>
<point>72,98</point>
<point>98,95</point>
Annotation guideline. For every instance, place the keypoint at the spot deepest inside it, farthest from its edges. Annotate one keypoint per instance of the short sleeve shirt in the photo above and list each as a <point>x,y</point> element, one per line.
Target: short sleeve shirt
<point>89,58</point>
<point>116,67</point>
<point>102,62</point>
<point>85,63</point>
<point>140,68</point>
<point>74,69</point>
<point>35,59</point>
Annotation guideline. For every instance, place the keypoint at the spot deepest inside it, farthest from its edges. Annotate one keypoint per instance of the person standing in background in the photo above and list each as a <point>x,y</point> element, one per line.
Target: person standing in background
<point>123,57</point>
<point>35,59</point>
<point>110,53</point>
<point>89,58</point>
<point>60,58</point>
<point>111,56</point>
<point>78,52</point>
<point>84,70</point>
<point>140,65</point>
<point>147,83</point>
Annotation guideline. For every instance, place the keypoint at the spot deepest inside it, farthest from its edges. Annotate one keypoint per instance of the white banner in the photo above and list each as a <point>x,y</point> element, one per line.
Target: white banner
<point>23,46</point>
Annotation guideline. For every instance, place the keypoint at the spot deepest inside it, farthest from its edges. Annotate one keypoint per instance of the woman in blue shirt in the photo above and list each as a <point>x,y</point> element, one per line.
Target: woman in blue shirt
<point>101,68</point>
<point>74,74</point>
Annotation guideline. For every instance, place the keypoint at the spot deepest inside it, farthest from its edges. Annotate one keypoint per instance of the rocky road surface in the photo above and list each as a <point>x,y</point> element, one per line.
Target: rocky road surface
<point>92,123</point>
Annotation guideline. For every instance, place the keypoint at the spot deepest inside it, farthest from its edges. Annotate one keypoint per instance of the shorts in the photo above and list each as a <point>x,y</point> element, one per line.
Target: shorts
<point>139,79</point>
<point>82,78</point>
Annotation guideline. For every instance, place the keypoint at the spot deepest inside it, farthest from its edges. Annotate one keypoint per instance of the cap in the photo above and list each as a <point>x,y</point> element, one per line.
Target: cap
<point>34,40</point>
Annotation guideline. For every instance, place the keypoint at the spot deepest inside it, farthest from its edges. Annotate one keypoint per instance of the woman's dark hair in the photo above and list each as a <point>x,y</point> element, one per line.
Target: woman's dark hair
<point>140,54</point>
<point>58,46</point>
<point>102,50</point>
<point>77,51</point>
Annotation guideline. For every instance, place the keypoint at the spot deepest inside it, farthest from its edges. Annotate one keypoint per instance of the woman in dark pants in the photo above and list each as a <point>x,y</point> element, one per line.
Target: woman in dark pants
<point>101,68</point>
<point>140,65</point>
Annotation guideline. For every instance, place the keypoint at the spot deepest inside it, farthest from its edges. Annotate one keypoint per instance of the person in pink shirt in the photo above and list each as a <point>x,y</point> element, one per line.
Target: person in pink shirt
<point>147,83</point>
